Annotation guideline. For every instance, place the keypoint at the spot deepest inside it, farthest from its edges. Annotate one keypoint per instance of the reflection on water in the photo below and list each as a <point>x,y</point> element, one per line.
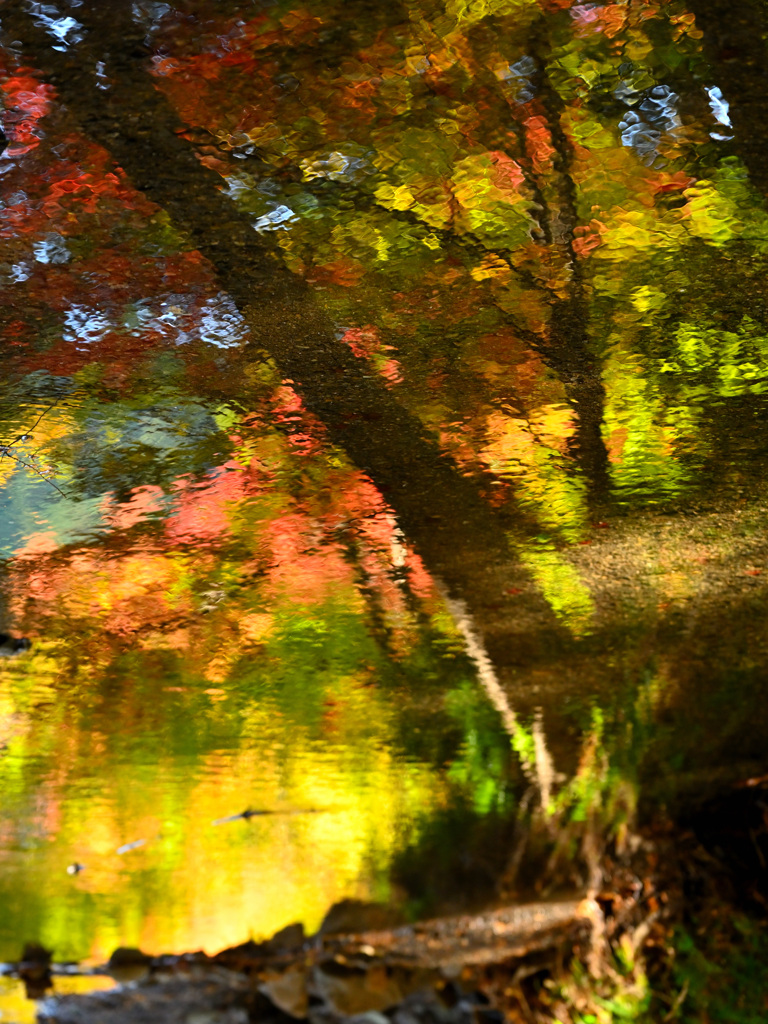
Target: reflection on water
<point>20,1010</point>
<point>529,226</point>
<point>248,637</point>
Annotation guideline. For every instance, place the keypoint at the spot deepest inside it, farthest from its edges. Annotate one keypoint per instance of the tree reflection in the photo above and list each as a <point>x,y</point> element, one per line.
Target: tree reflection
<point>372,346</point>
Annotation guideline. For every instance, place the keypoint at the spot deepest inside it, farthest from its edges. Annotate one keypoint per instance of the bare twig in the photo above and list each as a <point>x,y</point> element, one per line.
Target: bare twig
<point>679,1000</point>
<point>6,450</point>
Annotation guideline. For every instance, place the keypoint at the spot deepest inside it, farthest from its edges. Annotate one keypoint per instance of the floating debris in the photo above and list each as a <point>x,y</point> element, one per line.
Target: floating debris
<point>249,813</point>
<point>130,846</point>
<point>243,815</point>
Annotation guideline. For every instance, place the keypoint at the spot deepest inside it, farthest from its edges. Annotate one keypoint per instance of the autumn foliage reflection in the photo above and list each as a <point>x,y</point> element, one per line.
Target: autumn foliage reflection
<point>523,219</point>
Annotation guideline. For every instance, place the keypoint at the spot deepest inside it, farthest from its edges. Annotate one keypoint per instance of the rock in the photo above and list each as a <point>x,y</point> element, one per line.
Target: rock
<point>287,990</point>
<point>127,964</point>
<point>219,997</point>
<point>371,1017</point>
<point>287,940</point>
<point>350,917</point>
<point>351,990</point>
<point>35,970</point>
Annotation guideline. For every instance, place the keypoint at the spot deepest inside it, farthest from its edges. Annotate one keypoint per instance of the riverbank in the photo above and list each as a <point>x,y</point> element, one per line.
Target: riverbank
<point>674,932</point>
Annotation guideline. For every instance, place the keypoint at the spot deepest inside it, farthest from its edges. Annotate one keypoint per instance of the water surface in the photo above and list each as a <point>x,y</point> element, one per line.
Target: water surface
<point>384,407</point>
